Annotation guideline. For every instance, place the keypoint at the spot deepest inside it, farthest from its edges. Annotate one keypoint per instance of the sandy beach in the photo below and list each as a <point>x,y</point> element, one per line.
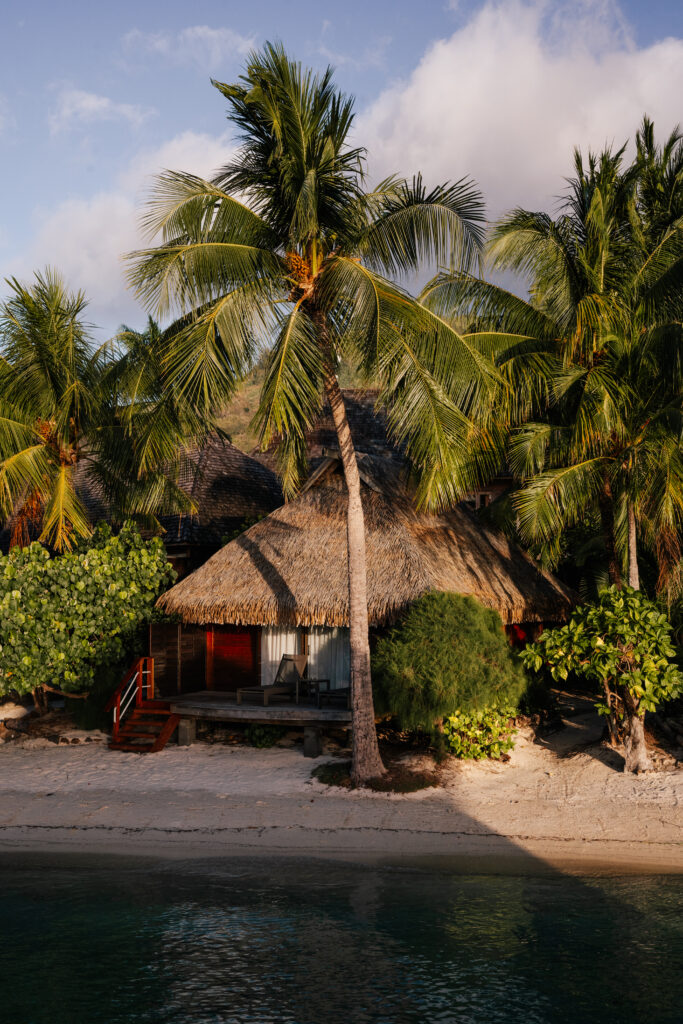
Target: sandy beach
<point>550,806</point>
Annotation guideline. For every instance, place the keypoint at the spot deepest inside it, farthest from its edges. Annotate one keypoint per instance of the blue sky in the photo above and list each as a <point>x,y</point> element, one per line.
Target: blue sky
<point>96,98</point>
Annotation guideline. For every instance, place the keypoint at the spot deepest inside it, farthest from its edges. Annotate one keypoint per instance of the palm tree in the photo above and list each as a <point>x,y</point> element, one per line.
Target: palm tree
<point>145,431</point>
<point>49,378</point>
<point>66,406</point>
<point>286,250</point>
<point>593,359</point>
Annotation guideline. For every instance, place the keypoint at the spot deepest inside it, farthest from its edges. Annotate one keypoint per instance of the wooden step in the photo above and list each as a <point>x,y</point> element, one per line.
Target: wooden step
<point>133,748</point>
<point>127,734</point>
<point>134,729</point>
<point>156,722</point>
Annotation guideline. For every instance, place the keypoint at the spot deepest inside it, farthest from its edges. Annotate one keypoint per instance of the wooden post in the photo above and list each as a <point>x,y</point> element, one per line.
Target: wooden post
<point>117,717</point>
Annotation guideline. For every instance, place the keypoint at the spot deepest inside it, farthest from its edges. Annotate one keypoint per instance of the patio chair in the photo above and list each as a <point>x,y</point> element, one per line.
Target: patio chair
<point>285,686</point>
<point>329,696</point>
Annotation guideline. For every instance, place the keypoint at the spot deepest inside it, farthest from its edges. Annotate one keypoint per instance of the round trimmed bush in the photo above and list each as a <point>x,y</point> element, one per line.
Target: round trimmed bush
<point>448,654</point>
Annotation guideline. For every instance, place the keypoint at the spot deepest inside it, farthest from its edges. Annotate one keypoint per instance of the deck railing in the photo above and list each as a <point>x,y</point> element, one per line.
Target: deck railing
<point>136,687</point>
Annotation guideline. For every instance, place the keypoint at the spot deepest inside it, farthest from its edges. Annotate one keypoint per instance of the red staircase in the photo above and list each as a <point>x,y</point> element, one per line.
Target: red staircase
<point>141,723</point>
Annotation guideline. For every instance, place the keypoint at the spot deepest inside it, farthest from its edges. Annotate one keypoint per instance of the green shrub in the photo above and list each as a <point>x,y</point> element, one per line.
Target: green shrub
<point>480,734</point>
<point>622,643</point>
<point>64,619</point>
<point>263,735</point>
<point>448,655</point>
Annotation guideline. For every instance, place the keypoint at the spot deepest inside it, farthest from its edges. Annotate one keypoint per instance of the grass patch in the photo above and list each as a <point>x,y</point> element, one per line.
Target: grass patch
<point>399,777</point>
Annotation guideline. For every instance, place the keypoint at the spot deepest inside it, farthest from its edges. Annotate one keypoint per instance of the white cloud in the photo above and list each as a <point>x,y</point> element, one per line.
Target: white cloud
<point>504,99</point>
<point>511,92</point>
<point>86,238</point>
<point>75,108</point>
<point>197,152</point>
<point>205,47</point>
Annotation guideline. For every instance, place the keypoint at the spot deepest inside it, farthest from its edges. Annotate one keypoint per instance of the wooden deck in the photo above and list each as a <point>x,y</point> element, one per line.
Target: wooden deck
<point>224,707</point>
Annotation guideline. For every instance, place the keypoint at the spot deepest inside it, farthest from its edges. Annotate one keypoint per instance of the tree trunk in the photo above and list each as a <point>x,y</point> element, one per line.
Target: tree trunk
<point>633,574</point>
<point>366,763</point>
<point>637,758</point>
<point>606,506</point>
<point>612,734</point>
<point>40,700</point>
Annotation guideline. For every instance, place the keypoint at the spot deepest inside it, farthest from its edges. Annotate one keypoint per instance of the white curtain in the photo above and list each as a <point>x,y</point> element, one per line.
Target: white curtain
<point>329,655</point>
<point>276,641</point>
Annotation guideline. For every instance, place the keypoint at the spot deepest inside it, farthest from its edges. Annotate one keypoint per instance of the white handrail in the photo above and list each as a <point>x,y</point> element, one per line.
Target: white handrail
<point>129,695</point>
<point>126,697</point>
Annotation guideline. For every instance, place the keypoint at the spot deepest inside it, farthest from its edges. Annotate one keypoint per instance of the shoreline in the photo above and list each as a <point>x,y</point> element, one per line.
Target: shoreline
<point>547,810</point>
<point>460,853</point>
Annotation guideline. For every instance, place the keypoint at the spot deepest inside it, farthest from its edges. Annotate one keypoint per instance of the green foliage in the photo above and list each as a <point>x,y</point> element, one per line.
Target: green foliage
<point>285,252</point>
<point>592,361</point>
<point>263,735</point>
<point>480,734</point>
<point>71,412</point>
<point>62,619</point>
<point>448,655</point>
<point>622,643</point>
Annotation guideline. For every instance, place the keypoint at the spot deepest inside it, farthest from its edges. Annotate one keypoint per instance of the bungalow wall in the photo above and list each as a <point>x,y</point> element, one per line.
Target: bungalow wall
<point>188,659</point>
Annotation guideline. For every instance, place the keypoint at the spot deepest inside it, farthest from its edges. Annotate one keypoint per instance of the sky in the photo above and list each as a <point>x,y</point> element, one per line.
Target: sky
<point>97,98</point>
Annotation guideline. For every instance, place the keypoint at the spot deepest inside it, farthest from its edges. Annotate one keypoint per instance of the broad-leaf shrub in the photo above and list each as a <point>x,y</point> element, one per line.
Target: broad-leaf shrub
<point>622,643</point>
<point>479,734</point>
<point>62,618</point>
<point>448,655</point>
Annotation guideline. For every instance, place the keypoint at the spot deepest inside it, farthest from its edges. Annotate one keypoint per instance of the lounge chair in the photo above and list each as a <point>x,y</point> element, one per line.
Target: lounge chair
<point>286,685</point>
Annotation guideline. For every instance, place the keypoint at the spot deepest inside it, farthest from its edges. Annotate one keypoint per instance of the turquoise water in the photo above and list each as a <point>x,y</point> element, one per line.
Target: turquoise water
<point>228,942</point>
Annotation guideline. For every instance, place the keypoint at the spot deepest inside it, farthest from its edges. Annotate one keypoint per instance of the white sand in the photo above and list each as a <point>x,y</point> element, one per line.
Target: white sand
<point>577,812</point>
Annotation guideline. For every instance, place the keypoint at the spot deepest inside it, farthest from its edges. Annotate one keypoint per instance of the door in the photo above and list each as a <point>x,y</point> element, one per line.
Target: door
<point>232,657</point>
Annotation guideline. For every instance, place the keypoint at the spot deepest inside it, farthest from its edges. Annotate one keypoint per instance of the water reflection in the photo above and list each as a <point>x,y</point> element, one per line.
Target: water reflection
<point>236,942</point>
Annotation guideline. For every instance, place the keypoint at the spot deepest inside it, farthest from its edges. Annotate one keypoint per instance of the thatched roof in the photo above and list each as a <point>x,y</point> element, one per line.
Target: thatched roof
<point>368,429</point>
<point>291,568</point>
<point>227,486</point>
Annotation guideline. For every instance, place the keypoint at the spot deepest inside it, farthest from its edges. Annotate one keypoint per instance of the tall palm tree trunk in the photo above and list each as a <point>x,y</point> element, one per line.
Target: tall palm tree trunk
<point>606,506</point>
<point>366,763</point>
<point>633,574</point>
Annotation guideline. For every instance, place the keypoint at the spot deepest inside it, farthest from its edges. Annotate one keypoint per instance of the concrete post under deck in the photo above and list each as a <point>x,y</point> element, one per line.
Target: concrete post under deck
<point>187,732</point>
<point>313,746</point>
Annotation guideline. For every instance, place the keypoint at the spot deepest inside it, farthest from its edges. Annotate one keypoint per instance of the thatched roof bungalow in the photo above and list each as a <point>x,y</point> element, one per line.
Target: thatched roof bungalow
<point>229,488</point>
<point>287,576</point>
<point>291,568</point>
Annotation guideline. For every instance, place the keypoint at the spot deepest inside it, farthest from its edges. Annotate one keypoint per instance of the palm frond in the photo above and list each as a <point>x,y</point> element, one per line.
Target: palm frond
<point>65,518</point>
<point>557,498</point>
<point>409,227</point>
<point>291,393</point>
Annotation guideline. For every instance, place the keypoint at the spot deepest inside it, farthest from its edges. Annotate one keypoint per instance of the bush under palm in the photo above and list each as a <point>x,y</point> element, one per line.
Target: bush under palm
<point>449,654</point>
